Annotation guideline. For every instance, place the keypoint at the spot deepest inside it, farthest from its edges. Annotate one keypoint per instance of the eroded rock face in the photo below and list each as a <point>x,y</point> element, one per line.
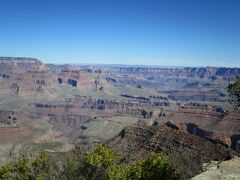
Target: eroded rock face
<point>188,78</point>
<point>67,120</point>
<point>110,107</point>
<point>195,94</point>
<point>81,77</point>
<point>71,117</point>
<point>7,119</point>
<point>206,121</point>
<point>10,128</point>
<point>188,152</point>
<point>24,74</point>
<point>156,72</point>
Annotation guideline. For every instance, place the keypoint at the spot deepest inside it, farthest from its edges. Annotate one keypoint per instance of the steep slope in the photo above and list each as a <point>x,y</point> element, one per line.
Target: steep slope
<point>187,151</point>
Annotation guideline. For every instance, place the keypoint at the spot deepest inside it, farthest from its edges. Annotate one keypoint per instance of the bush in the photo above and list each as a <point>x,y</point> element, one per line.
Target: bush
<point>6,172</point>
<point>158,166</point>
<point>104,163</point>
<point>101,163</point>
<point>102,157</point>
<point>25,169</point>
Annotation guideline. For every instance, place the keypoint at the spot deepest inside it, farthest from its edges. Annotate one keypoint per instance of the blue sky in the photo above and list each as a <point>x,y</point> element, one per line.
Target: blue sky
<point>149,32</point>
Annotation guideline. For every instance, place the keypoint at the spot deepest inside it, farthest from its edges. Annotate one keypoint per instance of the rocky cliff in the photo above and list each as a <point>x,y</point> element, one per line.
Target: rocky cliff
<point>24,75</point>
<point>188,152</point>
<point>156,72</point>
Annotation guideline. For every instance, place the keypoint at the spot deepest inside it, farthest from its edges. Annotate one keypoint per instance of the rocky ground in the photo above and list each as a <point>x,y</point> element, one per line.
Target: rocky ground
<point>215,170</point>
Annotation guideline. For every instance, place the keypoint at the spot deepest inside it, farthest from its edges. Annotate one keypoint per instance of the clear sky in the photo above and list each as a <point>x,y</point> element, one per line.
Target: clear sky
<point>154,32</point>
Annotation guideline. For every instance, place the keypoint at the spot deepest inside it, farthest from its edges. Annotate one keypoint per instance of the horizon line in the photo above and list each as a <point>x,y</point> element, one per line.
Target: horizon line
<point>116,64</point>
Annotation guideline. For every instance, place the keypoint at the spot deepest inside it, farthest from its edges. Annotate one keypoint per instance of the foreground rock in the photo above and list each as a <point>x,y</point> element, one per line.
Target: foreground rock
<point>217,171</point>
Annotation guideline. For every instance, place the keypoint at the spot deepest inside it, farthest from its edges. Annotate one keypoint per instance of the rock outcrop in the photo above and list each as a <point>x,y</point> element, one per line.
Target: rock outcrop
<point>187,151</point>
<point>216,170</point>
<point>207,121</point>
<point>24,75</point>
<point>10,127</point>
<point>7,119</point>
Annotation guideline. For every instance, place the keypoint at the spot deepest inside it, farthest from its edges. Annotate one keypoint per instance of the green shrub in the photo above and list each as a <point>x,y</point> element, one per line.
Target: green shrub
<point>22,169</point>
<point>104,161</point>
<point>158,166</point>
<point>25,169</point>
<point>102,157</point>
<point>117,172</point>
<point>101,163</point>
<point>40,166</point>
<point>6,172</point>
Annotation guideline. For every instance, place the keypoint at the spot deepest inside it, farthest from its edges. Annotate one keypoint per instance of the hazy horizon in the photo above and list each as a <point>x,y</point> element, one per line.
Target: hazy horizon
<point>115,64</point>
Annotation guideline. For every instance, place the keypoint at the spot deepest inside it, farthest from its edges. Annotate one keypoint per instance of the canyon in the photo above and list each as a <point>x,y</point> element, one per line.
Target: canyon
<point>184,111</point>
